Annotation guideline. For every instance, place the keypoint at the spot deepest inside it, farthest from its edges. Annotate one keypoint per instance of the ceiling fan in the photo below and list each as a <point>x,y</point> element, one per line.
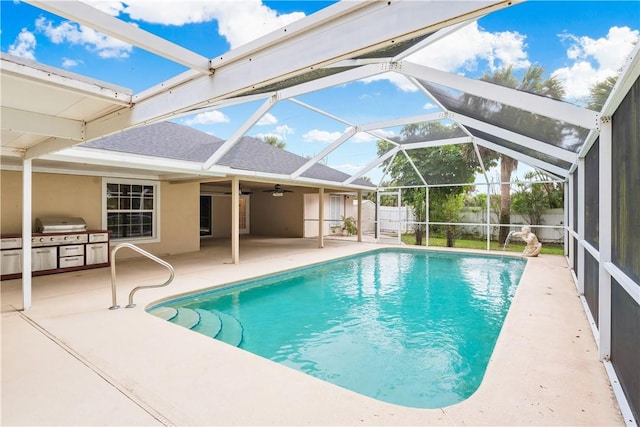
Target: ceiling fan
<point>241,191</point>
<point>277,191</point>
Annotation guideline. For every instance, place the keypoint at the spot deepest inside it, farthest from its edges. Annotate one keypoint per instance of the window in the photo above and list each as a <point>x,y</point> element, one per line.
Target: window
<point>334,210</point>
<point>131,209</point>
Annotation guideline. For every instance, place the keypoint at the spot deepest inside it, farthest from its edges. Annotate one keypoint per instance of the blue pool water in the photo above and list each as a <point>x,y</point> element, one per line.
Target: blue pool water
<point>410,327</point>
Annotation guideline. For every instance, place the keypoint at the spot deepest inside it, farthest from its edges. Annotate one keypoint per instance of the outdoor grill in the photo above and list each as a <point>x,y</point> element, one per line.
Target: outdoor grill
<point>60,225</point>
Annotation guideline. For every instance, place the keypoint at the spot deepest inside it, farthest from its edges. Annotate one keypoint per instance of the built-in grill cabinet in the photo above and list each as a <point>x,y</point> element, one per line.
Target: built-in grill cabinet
<point>55,250</point>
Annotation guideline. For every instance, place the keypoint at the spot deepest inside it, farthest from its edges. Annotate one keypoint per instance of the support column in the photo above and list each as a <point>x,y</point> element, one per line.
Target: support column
<point>581,225</point>
<point>567,235</point>
<point>399,215</point>
<point>571,224</point>
<point>604,244</point>
<point>26,232</point>
<point>377,216</point>
<point>235,220</point>
<point>426,215</point>
<point>321,217</point>
<point>488,216</point>
<point>359,215</point>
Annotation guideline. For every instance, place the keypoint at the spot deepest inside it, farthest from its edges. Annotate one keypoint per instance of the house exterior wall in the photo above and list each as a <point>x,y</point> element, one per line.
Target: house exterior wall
<point>53,195</point>
<point>221,216</point>
<point>277,216</point>
<point>81,196</point>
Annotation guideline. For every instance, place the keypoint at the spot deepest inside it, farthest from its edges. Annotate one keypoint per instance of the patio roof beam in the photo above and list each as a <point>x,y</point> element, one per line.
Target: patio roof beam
<point>516,138</point>
<point>436,143</point>
<point>103,22</point>
<point>403,121</point>
<point>41,124</point>
<point>299,48</point>
<point>239,133</point>
<point>537,104</point>
<point>46,76</point>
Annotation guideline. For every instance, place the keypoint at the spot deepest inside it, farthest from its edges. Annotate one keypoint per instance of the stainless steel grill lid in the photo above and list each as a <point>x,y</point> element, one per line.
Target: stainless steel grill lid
<point>60,225</point>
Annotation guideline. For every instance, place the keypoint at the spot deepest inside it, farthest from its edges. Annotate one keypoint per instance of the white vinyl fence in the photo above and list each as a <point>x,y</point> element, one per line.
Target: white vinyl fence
<point>393,218</point>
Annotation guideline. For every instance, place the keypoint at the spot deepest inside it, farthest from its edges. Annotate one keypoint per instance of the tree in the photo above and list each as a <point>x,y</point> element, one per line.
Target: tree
<point>445,164</point>
<point>600,93</point>
<point>514,119</point>
<point>274,140</point>
<point>533,198</point>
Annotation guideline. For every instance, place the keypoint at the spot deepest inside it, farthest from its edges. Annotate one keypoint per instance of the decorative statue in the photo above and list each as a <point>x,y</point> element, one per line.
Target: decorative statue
<point>533,246</point>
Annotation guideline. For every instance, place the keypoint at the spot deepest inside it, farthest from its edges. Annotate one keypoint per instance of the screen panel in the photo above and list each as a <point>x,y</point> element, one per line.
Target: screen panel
<point>592,195</point>
<point>625,343</point>
<point>625,189</point>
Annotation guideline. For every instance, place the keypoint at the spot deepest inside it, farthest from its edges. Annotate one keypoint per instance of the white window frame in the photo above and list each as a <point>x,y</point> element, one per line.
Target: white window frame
<point>335,206</point>
<point>156,209</point>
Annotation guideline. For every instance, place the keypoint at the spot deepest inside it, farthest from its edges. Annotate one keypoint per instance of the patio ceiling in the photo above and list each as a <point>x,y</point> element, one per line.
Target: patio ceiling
<point>46,112</point>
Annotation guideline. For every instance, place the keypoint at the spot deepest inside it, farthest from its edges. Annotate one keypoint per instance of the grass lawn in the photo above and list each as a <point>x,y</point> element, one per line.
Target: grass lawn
<point>547,248</point>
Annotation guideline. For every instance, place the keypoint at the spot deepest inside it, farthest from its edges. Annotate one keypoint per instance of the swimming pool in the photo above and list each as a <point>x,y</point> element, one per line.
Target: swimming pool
<point>410,327</point>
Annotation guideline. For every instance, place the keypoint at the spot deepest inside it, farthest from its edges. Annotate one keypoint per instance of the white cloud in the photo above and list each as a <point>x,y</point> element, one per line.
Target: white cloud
<point>207,118</point>
<point>430,106</point>
<point>284,130</point>
<point>317,135</point>
<point>594,59</point>
<point>267,119</point>
<point>238,21</point>
<point>70,63</point>
<point>68,32</point>
<point>24,46</point>
<point>281,133</point>
<point>463,50</point>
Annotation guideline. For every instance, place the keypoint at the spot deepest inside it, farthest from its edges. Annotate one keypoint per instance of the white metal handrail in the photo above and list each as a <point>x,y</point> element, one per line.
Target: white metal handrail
<point>137,288</point>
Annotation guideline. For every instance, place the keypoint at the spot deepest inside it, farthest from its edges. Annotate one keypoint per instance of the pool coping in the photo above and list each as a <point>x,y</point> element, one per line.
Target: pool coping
<point>544,369</point>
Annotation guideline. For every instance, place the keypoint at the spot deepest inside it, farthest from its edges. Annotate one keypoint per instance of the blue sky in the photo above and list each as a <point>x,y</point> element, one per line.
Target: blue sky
<point>579,42</point>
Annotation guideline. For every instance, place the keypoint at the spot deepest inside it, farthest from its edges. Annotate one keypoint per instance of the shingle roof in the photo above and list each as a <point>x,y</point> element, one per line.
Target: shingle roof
<point>175,141</point>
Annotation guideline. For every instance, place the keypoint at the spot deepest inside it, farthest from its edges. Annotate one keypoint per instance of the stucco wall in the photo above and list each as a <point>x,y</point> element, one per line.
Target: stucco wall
<point>53,195</point>
<point>221,216</point>
<point>277,216</point>
<point>73,195</point>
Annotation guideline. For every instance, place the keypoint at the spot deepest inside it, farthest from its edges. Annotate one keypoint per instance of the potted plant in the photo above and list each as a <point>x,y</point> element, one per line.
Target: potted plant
<point>349,225</point>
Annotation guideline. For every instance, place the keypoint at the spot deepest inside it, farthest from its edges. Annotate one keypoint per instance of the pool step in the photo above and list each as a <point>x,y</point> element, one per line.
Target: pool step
<point>186,317</point>
<point>215,324</point>
<point>165,313</point>
<point>210,323</point>
<point>231,331</point>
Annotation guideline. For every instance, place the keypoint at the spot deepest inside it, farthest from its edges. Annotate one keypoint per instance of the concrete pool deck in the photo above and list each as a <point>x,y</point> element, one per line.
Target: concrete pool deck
<point>70,361</point>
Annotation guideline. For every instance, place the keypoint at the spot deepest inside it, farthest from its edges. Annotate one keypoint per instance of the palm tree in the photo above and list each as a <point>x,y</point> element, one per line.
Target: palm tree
<point>532,81</point>
<point>274,140</point>
<point>600,92</point>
